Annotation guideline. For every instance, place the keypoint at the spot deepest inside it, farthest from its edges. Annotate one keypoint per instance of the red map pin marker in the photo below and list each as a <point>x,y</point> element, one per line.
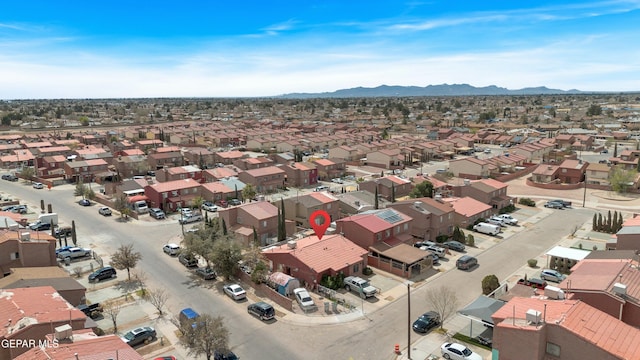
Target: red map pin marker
<point>319,221</point>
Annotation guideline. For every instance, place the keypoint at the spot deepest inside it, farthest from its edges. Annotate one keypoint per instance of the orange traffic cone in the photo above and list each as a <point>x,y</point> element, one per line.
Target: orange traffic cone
<point>397,349</point>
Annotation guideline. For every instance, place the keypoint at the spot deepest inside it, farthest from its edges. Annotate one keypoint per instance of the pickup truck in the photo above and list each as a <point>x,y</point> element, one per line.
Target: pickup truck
<point>194,217</point>
<point>74,253</point>
<point>360,286</point>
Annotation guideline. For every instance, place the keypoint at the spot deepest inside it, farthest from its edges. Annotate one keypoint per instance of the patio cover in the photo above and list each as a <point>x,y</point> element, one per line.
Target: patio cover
<point>481,309</point>
<point>568,253</point>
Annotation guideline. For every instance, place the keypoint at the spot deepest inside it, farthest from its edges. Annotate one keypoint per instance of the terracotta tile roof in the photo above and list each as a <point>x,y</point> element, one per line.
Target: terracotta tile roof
<point>37,305</point>
<point>332,252</point>
<point>324,162</point>
<point>260,210</point>
<point>217,187</point>
<point>493,183</point>
<point>265,171</point>
<point>374,220</point>
<point>175,185</point>
<point>87,346</point>
<point>602,274</point>
<point>467,206</point>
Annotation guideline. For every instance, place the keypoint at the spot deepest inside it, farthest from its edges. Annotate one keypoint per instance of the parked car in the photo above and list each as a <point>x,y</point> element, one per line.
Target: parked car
<point>337,181</point>
<point>19,209</point>
<point>188,259</point>
<point>206,273</point>
<point>139,335</point>
<point>508,219</point>
<point>227,355</point>
<point>454,245</point>
<point>40,226</point>
<point>105,211</point>
<point>235,202</point>
<point>533,282</point>
<point>552,275</point>
<point>261,310</point>
<point>191,218</point>
<point>84,202</point>
<point>171,249</point>
<point>63,231</point>
<point>9,177</point>
<point>496,221</point>
<point>235,291</point>
<point>426,322</point>
<point>209,206</point>
<point>304,299</point>
<point>156,213</point>
<point>455,351</point>
<point>185,212</point>
<point>438,250</point>
<point>63,249</point>
<point>38,185</point>
<point>106,272</point>
<point>553,205</point>
<point>321,188</point>
<point>564,203</point>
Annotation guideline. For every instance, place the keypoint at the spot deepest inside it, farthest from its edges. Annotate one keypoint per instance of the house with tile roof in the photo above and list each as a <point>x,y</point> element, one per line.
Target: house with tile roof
<point>309,259</point>
<point>430,218</point>
<point>84,345</point>
<point>171,195</point>
<point>85,171</point>
<point>598,174</point>
<point>30,314</point>
<point>301,174</point>
<point>389,159</point>
<point>540,329</point>
<point>468,210</point>
<point>131,165</point>
<point>25,277</point>
<point>610,285</point>
<point>260,215</point>
<point>388,186</point>
<point>228,157</point>
<point>50,166</point>
<point>219,173</point>
<point>472,168</point>
<point>330,168</point>
<point>488,191</point>
<point>571,171</point>
<point>300,208</point>
<point>17,159</point>
<point>264,180</point>
<point>386,234</point>
<point>179,173</point>
<point>160,159</point>
<point>217,191</point>
<point>27,249</point>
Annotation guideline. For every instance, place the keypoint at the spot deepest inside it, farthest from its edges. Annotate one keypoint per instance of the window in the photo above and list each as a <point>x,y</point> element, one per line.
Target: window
<point>406,226</point>
<point>387,233</point>
<point>379,236</point>
<point>553,349</point>
<point>356,268</point>
<point>264,223</point>
<point>15,256</point>
<point>328,206</point>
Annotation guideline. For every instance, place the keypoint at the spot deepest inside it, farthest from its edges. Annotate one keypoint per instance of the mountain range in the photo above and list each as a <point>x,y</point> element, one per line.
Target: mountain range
<point>430,90</point>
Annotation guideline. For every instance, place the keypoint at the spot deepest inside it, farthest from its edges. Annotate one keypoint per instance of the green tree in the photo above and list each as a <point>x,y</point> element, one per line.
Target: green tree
<point>249,192</point>
<point>621,179</point>
<point>594,222</point>
<point>125,258</point>
<point>393,193</point>
<point>594,110</point>
<point>197,202</point>
<point>489,284</point>
<point>74,236</point>
<point>28,173</point>
<point>80,190</point>
<point>424,189</point>
<point>224,228</point>
<point>458,234</point>
<point>121,204</point>
<point>84,121</point>
<point>376,203</point>
<point>205,337</point>
<point>282,222</point>
<point>225,255</point>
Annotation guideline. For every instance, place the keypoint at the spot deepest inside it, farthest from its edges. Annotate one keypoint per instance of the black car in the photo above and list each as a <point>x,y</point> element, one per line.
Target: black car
<point>9,177</point>
<point>206,273</point>
<point>106,272</point>
<point>188,260</point>
<point>224,355</point>
<point>426,322</point>
<point>84,202</point>
<point>139,335</point>
<point>40,226</point>
<point>262,310</point>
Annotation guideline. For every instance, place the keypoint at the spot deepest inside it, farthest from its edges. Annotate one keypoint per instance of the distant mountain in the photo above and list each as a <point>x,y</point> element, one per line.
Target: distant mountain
<point>430,90</point>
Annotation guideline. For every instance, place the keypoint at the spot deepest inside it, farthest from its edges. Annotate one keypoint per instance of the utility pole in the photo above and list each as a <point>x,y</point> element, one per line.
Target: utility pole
<point>408,321</point>
<point>584,196</point>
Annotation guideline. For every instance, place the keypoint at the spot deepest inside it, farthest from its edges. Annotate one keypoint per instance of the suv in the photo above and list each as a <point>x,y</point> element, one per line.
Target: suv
<point>554,205</point>
<point>359,285</point>
<point>139,335</point>
<point>496,221</point>
<point>105,211</point>
<point>188,260</point>
<point>552,275</point>
<point>235,202</point>
<point>106,272</point>
<point>466,262</point>
<point>262,310</point>
<point>156,213</point>
<point>508,219</point>
<point>9,177</point>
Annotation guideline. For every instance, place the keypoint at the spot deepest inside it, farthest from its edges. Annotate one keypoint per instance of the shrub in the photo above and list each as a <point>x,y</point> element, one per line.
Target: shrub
<point>442,238</point>
<point>471,241</point>
<point>509,209</point>
<point>532,262</point>
<point>526,202</point>
<point>367,271</point>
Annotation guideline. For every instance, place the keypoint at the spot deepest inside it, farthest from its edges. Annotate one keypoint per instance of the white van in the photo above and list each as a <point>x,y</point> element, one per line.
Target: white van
<point>140,207</point>
<point>488,229</point>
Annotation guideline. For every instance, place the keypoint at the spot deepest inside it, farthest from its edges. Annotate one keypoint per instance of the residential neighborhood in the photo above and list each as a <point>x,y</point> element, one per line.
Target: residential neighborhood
<point>415,203</point>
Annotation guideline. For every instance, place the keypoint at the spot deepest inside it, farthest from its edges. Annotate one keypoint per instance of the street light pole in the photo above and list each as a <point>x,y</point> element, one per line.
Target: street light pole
<point>408,321</point>
<point>584,196</point>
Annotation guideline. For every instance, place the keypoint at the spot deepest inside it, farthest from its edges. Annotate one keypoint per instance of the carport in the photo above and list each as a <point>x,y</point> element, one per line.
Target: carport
<point>563,258</point>
<point>480,310</point>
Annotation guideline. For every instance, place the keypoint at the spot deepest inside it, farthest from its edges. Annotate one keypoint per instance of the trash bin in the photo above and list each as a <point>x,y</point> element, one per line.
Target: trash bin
<point>335,307</point>
<point>326,307</point>
<point>67,261</point>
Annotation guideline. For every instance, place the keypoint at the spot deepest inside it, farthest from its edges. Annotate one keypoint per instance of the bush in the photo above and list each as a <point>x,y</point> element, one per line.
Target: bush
<point>526,202</point>
<point>510,208</point>
<point>532,262</point>
<point>367,271</point>
<point>442,238</point>
<point>471,241</point>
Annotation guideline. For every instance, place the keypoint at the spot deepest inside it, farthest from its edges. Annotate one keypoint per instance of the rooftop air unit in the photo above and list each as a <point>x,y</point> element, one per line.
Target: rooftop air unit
<point>533,317</point>
<point>63,332</point>
<point>619,289</point>
<point>291,244</point>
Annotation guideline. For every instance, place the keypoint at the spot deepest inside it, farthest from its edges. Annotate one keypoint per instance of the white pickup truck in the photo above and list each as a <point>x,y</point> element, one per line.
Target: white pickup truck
<point>360,286</point>
<point>74,253</point>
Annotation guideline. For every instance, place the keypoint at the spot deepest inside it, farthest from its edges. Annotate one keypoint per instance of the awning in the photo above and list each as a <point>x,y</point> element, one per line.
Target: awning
<point>568,253</point>
<point>481,309</point>
<point>135,198</point>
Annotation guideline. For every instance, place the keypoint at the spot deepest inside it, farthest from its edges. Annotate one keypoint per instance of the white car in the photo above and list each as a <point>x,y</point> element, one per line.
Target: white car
<point>38,185</point>
<point>235,291</point>
<point>455,351</point>
<point>171,249</point>
<point>186,212</point>
<point>304,299</point>
<point>496,221</point>
<point>209,206</point>
<point>508,219</point>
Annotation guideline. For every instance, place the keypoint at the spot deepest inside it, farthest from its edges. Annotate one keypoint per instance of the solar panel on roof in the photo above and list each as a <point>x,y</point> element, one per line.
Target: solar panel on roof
<point>389,216</point>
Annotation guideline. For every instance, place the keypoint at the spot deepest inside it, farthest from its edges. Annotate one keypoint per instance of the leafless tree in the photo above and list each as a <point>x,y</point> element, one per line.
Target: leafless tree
<point>77,271</point>
<point>112,309</point>
<point>443,301</point>
<point>208,335</point>
<point>157,298</point>
<point>125,258</point>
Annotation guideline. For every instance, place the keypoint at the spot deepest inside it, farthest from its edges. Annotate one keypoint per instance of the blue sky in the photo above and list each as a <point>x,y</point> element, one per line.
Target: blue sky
<point>122,49</point>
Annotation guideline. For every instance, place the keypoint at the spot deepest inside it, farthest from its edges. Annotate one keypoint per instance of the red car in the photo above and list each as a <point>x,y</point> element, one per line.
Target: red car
<point>533,282</point>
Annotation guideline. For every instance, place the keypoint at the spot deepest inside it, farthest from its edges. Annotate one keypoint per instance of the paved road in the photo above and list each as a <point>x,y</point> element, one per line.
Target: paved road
<point>371,337</point>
